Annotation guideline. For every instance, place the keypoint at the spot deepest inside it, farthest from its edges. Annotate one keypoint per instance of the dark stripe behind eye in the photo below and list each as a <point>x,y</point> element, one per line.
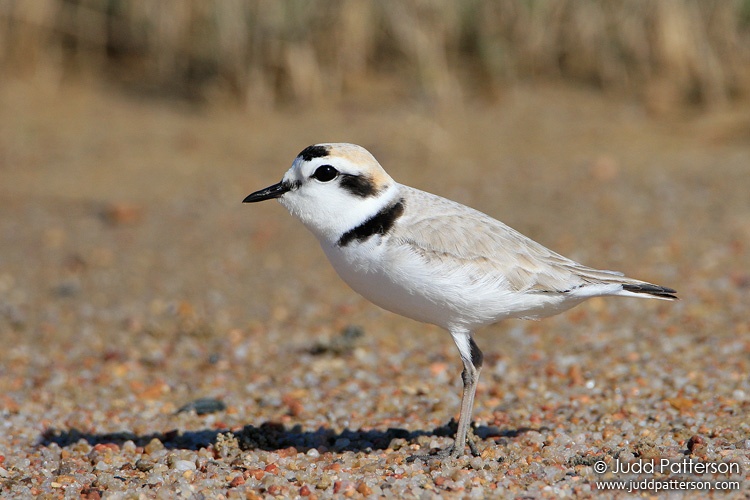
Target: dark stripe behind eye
<point>358,185</point>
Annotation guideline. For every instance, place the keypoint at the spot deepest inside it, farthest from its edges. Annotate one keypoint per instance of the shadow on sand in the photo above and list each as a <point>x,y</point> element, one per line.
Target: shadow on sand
<point>272,436</point>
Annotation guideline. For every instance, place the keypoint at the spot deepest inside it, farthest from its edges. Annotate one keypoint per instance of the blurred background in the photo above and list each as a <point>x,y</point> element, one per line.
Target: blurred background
<point>616,132</point>
<point>265,54</point>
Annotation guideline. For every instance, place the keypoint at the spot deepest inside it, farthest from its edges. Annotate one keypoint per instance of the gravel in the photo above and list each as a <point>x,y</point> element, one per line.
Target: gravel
<point>163,340</point>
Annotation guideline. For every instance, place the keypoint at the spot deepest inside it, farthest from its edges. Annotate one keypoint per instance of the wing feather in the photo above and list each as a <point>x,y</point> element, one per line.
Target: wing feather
<point>451,235</point>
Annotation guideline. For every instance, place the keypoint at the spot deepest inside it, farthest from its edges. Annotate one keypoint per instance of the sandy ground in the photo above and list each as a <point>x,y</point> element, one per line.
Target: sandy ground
<point>134,282</point>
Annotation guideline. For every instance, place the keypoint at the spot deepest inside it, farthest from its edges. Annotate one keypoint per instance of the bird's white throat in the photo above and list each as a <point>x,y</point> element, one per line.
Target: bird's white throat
<point>341,211</point>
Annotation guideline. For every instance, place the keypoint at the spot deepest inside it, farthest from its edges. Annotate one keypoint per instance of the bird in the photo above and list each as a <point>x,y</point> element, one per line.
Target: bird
<point>431,259</point>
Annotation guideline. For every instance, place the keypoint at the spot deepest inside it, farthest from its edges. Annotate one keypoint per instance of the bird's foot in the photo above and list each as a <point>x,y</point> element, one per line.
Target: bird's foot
<point>471,440</point>
<point>450,452</point>
<point>453,451</point>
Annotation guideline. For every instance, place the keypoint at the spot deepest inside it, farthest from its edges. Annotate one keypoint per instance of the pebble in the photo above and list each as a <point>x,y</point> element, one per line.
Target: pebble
<point>154,446</point>
<point>144,465</point>
<point>184,465</point>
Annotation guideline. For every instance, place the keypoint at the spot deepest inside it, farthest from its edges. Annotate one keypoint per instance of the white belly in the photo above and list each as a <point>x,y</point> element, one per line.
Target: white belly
<point>402,283</point>
<point>384,286</point>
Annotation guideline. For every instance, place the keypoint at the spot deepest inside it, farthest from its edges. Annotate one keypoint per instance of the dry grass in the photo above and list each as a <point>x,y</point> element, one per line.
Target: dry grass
<point>263,52</point>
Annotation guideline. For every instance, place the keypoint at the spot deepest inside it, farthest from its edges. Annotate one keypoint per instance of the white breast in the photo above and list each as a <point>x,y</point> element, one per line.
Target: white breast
<point>397,279</point>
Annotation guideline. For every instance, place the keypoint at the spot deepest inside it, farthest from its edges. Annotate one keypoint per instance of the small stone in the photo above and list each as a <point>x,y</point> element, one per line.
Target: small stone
<point>272,469</point>
<point>144,465</point>
<point>226,445</point>
<point>324,482</point>
<point>154,445</point>
<point>397,443</point>
<point>88,493</point>
<point>696,445</point>
<point>183,465</point>
<point>159,469</point>
<point>236,481</point>
<point>128,446</point>
<point>203,406</point>
<point>275,490</point>
<point>363,489</point>
<point>681,403</point>
<point>257,474</point>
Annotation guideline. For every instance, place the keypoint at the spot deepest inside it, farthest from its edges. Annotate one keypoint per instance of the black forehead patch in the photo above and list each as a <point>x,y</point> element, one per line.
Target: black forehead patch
<point>358,185</point>
<point>315,151</point>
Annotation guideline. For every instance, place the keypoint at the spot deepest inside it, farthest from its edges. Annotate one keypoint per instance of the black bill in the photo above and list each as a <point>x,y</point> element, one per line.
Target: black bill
<point>268,193</point>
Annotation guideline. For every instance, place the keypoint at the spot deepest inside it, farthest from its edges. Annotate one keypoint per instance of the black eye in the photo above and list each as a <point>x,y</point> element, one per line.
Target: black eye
<point>325,173</point>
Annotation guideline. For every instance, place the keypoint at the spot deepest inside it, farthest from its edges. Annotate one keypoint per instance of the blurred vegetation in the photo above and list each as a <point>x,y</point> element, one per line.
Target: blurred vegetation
<point>266,52</point>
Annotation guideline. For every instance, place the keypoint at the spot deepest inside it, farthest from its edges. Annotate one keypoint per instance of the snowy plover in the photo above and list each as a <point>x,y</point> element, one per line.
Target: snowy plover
<point>432,259</point>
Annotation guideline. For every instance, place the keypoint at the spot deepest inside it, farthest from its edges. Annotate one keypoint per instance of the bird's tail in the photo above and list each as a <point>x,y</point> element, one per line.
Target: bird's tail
<point>641,288</point>
<point>630,287</point>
